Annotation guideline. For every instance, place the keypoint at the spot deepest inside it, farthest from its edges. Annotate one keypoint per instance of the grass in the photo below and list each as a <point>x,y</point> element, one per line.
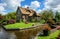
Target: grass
<point>18,25</point>
<point>51,36</point>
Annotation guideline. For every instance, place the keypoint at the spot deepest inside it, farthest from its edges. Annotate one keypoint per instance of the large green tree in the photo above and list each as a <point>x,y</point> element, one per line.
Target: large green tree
<point>11,15</point>
<point>1,18</point>
<point>47,14</point>
<point>57,16</point>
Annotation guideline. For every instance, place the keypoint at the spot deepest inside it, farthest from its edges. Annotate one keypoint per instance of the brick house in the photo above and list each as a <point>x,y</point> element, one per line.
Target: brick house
<point>26,14</point>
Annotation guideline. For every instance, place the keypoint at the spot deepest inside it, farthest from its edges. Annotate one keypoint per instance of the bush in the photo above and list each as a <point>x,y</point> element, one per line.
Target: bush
<point>46,30</point>
<point>46,26</point>
<point>11,21</point>
<point>58,27</point>
<point>58,23</point>
<point>58,37</point>
<point>50,21</point>
<point>4,23</point>
<point>26,22</point>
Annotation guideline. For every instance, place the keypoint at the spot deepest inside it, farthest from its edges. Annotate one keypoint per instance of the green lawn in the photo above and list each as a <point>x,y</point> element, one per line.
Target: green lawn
<point>18,25</point>
<point>51,36</point>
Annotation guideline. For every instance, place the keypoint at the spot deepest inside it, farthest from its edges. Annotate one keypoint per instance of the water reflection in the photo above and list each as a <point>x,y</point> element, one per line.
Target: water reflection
<point>6,35</point>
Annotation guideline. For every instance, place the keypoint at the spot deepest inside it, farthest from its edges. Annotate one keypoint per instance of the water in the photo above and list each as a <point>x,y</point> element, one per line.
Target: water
<point>6,35</point>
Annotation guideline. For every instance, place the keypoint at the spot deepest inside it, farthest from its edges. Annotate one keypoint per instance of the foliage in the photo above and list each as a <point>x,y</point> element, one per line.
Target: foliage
<point>11,21</point>
<point>42,21</point>
<point>50,22</point>
<point>1,18</point>
<point>5,18</point>
<point>58,36</point>
<point>51,36</point>
<point>45,26</point>
<point>11,15</point>
<point>57,16</point>
<point>58,27</point>
<point>47,14</point>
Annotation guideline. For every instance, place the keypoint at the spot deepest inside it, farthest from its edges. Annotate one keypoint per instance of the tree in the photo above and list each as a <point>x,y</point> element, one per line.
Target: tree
<point>11,15</point>
<point>47,14</point>
<point>57,16</point>
<point>1,18</point>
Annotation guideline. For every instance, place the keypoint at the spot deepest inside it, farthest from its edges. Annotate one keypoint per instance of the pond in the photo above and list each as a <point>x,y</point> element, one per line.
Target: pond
<point>5,35</point>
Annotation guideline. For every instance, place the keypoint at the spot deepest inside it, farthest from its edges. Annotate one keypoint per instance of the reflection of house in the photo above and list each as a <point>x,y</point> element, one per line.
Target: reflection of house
<point>26,14</point>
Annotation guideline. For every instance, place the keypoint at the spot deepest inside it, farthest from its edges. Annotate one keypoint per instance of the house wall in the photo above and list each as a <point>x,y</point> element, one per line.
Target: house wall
<point>18,15</point>
<point>38,18</point>
<point>24,17</point>
<point>30,18</point>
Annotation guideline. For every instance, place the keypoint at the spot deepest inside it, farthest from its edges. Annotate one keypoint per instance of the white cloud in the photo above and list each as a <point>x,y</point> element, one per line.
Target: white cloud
<point>2,10</point>
<point>3,4</point>
<point>9,4</point>
<point>35,4</point>
<point>25,6</point>
<point>57,8</point>
<point>52,4</point>
<point>13,4</point>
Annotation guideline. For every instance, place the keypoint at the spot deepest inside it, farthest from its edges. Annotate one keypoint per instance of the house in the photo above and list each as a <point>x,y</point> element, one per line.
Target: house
<point>26,14</point>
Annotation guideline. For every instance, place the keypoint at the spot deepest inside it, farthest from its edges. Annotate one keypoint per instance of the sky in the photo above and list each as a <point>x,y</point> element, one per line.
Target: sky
<point>37,5</point>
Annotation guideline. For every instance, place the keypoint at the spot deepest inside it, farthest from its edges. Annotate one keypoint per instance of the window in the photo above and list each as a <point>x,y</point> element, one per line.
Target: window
<point>18,11</point>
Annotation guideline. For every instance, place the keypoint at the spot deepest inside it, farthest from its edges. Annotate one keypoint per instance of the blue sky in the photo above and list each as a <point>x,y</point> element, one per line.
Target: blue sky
<point>37,5</point>
<point>27,2</point>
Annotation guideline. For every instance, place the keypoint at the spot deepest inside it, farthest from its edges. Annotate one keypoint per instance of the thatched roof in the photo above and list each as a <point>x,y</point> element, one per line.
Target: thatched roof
<point>28,11</point>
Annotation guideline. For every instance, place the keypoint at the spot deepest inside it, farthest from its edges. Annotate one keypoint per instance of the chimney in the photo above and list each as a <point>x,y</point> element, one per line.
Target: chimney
<point>27,7</point>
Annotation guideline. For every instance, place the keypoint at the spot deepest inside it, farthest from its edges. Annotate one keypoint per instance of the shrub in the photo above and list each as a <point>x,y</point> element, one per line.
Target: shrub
<point>46,27</point>
<point>11,21</point>
<point>46,30</point>
<point>58,27</point>
<point>58,23</point>
<point>58,37</point>
<point>4,23</point>
<point>1,17</point>
<point>26,22</point>
<point>50,21</point>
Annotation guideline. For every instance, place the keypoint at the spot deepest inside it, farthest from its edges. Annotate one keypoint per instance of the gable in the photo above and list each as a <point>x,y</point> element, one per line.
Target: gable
<point>18,11</point>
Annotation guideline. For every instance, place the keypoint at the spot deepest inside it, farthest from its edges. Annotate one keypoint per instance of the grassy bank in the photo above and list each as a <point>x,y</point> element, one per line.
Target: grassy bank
<point>18,25</point>
<point>51,36</point>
